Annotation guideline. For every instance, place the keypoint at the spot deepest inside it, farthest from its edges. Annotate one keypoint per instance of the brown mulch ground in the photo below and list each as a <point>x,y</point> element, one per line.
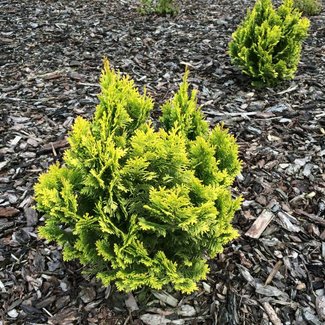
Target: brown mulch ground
<point>50,61</point>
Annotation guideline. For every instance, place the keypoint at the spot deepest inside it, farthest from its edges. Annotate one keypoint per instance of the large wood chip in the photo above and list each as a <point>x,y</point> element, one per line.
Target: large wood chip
<point>3,164</point>
<point>246,275</point>
<point>322,235</point>
<point>311,217</point>
<point>87,294</point>
<point>186,311</point>
<point>271,291</point>
<point>50,75</point>
<point>46,302</point>
<point>166,298</point>
<point>287,222</point>
<point>52,146</point>
<point>272,314</point>
<point>31,216</point>
<point>64,317</point>
<point>320,307</point>
<point>260,224</point>
<point>8,212</point>
<point>273,272</point>
<point>131,303</point>
<point>151,319</point>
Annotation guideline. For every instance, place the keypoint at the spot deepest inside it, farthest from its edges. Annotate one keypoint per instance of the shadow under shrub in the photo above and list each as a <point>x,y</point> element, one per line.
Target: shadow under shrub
<point>267,44</point>
<point>137,206</point>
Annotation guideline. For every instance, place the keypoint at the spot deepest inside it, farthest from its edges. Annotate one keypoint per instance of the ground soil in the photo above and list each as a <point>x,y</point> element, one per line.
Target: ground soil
<point>50,60</point>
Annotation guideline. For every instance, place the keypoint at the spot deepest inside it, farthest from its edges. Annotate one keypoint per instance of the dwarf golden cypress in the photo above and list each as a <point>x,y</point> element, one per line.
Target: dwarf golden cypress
<point>136,205</point>
<point>267,44</point>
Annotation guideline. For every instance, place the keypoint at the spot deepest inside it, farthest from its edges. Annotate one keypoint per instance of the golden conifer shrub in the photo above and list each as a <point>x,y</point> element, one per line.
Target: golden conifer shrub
<point>267,44</point>
<point>139,206</point>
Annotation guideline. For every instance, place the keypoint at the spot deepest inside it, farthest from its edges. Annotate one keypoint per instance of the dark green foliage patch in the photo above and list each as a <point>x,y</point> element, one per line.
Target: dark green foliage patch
<point>309,7</point>
<point>160,7</point>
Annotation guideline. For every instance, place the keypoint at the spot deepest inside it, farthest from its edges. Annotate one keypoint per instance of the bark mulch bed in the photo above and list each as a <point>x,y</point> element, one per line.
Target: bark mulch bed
<point>50,59</point>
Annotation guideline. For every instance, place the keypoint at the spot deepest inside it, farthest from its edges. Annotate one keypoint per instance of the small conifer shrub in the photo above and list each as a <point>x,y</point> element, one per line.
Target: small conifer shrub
<point>139,206</point>
<point>309,7</point>
<point>267,44</point>
<point>161,7</point>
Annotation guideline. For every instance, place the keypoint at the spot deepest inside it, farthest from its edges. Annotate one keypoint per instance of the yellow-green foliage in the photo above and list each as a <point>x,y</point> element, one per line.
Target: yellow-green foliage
<point>139,206</point>
<point>267,45</point>
<point>309,7</point>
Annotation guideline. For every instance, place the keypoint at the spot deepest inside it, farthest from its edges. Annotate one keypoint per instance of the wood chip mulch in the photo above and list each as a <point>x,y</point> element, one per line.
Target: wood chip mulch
<point>50,61</point>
